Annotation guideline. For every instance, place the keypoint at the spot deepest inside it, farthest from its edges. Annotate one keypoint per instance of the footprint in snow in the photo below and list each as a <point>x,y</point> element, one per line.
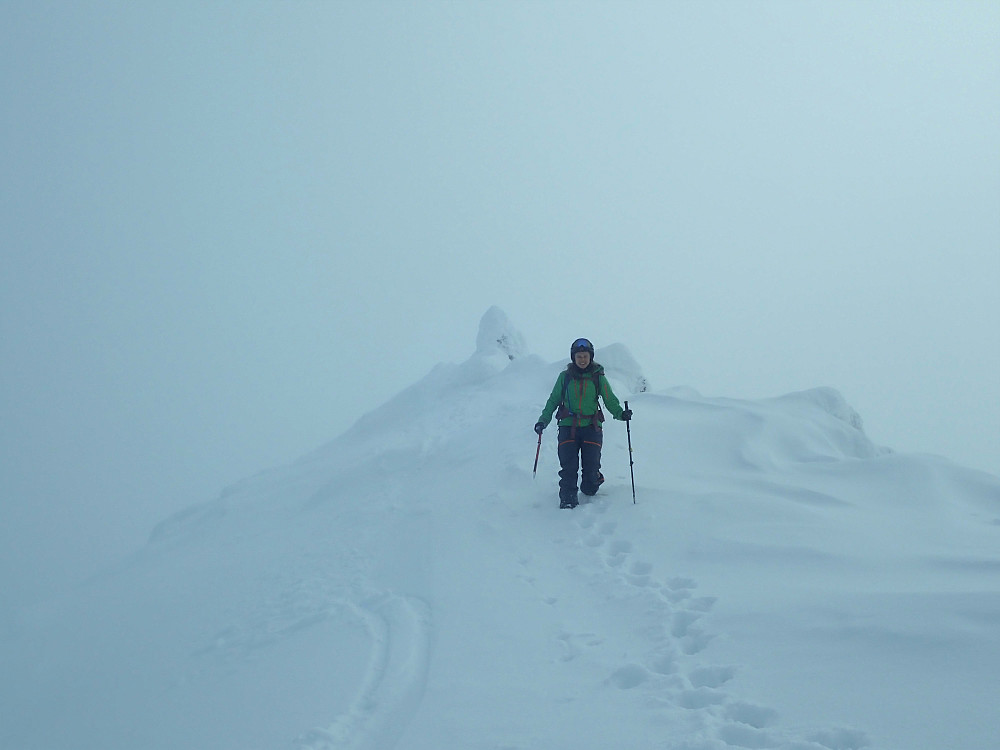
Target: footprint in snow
<point>711,677</point>
<point>664,664</point>
<point>618,550</point>
<point>678,589</point>
<point>599,531</point>
<point>742,735</point>
<point>684,626</point>
<point>574,644</point>
<point>696,642</point>
<point>702,697</point>
<point>639,574</point>
<point>701,603</point>
<point>752,715</point>
<point>629,676</point>
<point>840,739</point>
<point>680,627</point>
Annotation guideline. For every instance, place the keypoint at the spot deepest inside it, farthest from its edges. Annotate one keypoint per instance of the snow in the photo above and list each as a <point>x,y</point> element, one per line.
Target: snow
<point>781,582</point>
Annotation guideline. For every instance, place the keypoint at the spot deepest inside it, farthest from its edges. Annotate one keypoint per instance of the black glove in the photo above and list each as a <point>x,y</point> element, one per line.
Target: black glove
<point>539,426</point>
<point>626,415</point>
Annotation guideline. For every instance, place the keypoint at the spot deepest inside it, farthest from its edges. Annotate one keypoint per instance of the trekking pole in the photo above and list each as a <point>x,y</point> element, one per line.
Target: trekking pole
<point>631,463</point>
<point>537,451</point>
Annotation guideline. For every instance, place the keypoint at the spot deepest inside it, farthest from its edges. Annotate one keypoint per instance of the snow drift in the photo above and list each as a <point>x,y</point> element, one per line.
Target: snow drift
<point>782,583</point>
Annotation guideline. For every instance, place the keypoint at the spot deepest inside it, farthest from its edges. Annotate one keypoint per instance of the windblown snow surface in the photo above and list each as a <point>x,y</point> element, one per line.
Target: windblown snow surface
<point>780,582</point>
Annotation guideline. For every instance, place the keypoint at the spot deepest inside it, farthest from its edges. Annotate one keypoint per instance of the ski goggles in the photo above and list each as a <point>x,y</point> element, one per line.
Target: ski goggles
<point>582,344</point>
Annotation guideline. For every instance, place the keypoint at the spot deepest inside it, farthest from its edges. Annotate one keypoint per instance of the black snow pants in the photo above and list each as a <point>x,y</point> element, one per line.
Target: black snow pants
<point>583,447</point>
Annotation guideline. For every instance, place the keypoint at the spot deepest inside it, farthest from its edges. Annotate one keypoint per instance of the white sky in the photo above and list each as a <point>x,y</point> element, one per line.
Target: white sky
<point>230,229</point>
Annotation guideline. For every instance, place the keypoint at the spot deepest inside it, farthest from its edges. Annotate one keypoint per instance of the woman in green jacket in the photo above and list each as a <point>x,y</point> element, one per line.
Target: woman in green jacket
<point>579,416</point>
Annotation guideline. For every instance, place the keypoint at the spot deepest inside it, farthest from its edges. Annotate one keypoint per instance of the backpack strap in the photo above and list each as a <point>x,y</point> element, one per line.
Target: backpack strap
<point>563,410</point>
<point>598,415</point>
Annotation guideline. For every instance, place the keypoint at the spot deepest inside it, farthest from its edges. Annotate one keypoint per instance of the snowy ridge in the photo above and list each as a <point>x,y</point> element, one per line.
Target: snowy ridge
<point>410,586</point>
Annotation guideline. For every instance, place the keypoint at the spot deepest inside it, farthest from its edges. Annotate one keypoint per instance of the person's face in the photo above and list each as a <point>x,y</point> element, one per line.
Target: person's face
<point>582,359</point>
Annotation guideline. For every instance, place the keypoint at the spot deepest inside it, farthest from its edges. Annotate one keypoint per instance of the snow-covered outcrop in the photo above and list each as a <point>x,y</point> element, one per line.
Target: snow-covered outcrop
<point>496,333</point>
<point>622,369</point>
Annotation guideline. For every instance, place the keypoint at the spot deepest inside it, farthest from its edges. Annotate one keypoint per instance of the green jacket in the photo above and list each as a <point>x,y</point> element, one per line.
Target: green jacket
<point>581,396</point>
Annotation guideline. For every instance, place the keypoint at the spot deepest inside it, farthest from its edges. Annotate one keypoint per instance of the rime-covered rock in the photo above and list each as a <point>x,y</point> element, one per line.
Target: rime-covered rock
<point>498,334</point>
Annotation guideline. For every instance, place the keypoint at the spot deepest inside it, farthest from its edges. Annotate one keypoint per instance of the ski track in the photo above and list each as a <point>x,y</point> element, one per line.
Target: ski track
<point>393,685</point>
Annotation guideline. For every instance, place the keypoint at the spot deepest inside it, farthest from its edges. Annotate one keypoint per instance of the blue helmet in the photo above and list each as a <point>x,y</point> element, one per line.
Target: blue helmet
<point>581,345</point>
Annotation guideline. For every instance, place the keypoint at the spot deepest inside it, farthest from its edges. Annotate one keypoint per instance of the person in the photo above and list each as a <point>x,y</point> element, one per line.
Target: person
<point>580,418</point>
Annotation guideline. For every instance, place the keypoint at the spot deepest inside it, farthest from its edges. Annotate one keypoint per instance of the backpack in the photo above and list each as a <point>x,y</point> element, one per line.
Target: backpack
<point>564,411</point>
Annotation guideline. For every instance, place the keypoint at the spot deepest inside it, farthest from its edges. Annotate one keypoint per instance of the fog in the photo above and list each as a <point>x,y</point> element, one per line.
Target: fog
<point>231,229</point>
